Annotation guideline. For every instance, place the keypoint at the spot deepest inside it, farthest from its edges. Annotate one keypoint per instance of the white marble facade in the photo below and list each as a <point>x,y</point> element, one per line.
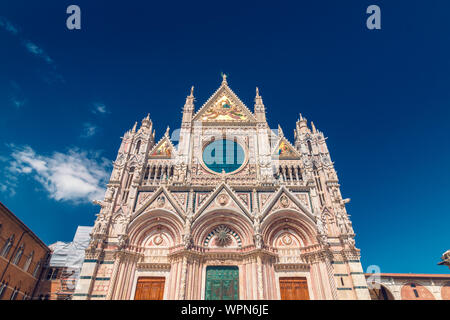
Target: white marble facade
<point>167,214</point>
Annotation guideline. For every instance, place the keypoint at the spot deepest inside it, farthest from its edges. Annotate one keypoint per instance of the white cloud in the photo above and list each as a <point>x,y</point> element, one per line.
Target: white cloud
<point>34,49</point>
<point>8,26</point>
<point>48,76</point>
<point>18,102</point>
<point>99,108</point>
<point>76,176</point>
<point>88,130</point>
<point>17,98</point>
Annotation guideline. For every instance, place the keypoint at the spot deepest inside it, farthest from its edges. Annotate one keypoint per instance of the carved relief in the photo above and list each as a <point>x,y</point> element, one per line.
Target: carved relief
<point>223,236</point>
<point>223,199</point>
<point>304,199</point>
<point>263,197</point>
<point>284,201</point>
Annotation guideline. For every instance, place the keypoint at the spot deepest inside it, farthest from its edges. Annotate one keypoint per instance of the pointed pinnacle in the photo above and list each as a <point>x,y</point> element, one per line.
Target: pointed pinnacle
<point>280,131</point>
<point>224,78</point>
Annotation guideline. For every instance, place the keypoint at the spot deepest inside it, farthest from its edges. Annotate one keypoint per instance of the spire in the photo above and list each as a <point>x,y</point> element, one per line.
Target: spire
<point>188,109</point>
<point>134,127</point>
<point>302,125</point>
<point>146,122</point>
<point>260,109</point>
<point>313,127</point>
<point>224,79</point>
<point>190,98</point>
<point>167,131</point>
<point>258,99</point>
<point>280,131</point>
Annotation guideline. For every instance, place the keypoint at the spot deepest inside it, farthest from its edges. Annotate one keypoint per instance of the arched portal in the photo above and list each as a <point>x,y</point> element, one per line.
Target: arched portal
<point>380,292</point>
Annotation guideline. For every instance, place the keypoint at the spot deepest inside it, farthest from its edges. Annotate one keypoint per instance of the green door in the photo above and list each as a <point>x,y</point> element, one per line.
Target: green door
<point>222,283</point>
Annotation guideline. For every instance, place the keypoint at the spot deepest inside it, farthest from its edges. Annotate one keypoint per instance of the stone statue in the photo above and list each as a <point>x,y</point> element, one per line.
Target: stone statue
<point>341,224</point>
<point>123,241</point>
<point>109,193</point>
<point>257,224</point>
<point>188,241</point>
<point>320,226</point>
<point>258,241</point>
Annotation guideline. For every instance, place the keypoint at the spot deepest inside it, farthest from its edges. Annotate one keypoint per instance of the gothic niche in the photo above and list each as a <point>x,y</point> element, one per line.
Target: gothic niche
<point>222,237</point>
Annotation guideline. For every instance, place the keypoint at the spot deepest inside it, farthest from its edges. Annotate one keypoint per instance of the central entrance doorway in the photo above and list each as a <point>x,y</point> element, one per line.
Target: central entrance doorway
<point>150,288</point>
<point>222,283</point>
<point>294,288</point>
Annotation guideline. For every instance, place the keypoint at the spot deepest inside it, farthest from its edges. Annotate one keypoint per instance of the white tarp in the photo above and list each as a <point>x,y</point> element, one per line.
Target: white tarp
<point>71,255</point>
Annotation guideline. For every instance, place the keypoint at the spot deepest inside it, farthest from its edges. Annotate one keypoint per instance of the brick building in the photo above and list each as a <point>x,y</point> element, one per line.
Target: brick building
<point>22,257</point>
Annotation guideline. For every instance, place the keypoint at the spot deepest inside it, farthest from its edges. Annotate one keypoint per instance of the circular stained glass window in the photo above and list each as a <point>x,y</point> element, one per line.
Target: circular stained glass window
<point>223,155</point>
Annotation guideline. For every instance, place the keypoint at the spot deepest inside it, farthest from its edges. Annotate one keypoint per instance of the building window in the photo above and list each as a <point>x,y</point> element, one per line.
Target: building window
<point>416,294</point>
<point>14,294</point>
<point>52,273</point>
<point>138,146</point>
<point>7,247</point>
<point>18,255</point>
<point>36,270</point>
<point>28,263</point>
<point>223,156</point>
<point>309,147</point>
<point>3,286</point>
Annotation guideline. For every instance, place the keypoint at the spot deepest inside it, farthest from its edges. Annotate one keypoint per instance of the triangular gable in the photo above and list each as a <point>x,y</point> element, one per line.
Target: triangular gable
<point>284,199</point>
<point>224,106</point>
<point>160,199</point>
<point>164,149</point>
<point>216,200</point>
<point>284,150</point>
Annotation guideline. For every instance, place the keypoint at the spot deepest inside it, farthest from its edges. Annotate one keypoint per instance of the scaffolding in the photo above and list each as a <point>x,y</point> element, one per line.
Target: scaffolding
<point>67,259</point>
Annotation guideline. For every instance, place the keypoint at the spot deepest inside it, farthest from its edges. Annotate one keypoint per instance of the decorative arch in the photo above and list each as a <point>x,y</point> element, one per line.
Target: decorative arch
<point>239,225</point>
<point>289,221</point>
<point>445,291</point>
<point>416,291</point>
<point>287,238</point>
<point>287,201</point>
<point>149,223</point>
<point>223,236</point>
<point>380,292</point>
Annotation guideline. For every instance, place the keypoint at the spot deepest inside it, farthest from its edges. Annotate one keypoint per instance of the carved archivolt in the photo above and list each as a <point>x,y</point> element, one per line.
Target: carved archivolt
<point>241,229</point>
<point>169,225</point>
<point>223,236</point>
<point>301,231</point>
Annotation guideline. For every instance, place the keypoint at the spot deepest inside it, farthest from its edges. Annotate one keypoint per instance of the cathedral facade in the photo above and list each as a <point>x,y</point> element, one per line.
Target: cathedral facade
<point>232,210</point>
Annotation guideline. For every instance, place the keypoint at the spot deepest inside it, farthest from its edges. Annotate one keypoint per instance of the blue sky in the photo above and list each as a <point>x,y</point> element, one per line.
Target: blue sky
<point>382,98</point>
